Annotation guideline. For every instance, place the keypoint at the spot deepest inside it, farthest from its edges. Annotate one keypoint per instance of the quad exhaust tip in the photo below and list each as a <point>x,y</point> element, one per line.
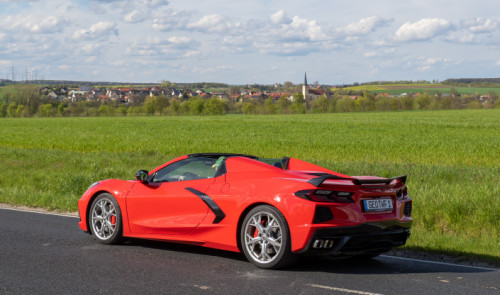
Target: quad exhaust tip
<point>323,244</point>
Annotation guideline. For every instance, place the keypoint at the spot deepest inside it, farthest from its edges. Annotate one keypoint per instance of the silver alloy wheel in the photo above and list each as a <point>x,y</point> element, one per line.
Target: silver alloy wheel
<point>263,237</point>
<point>104,219</point>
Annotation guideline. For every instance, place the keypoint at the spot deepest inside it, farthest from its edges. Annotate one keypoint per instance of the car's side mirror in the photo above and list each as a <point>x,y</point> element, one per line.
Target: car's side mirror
<point>142,175</point>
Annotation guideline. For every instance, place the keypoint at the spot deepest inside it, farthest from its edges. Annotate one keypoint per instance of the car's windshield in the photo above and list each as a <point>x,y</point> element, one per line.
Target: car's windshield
<point>188,169</point>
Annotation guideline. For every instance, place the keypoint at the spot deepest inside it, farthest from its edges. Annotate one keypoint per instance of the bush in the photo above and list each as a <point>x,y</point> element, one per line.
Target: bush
<point>21,111</point>
<point>196,106</point>
<point>46,110</point>
<point>423,102</point>
<point>215,106</point>
<point>475,104</point>
<point>3,109</point>
<point>249,108</point>
<point>11,109</point>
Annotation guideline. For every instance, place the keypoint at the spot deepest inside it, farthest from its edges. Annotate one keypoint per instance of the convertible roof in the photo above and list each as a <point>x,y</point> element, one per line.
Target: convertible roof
<point>217,155</point>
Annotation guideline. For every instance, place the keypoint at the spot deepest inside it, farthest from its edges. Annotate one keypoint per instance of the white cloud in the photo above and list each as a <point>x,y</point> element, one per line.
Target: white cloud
<point>5,63</point>
<point>210,23</point>
<point>427,64</point>
<point>173,47</point>
<point>126,7</point>
<point>424,29</point>
<point>171,20</point>
<point>476,31</point>
<point>16,1</point>
<point>91,49</point>
<point>156,33</point>
<point>365,25</point>
<point>461,37</point>
<point>47,25</point>
<point>179,40</point>
<point>311,29</point>
<point>136,16</point>
<point>182,42</point>
<point>118,63</point>
<point>143,49</point>
<point>299,29</point>
<point>480,25</point>
<point>214,69</point>
<point>279,17</point>
<point>192,53</point>
<point>285,48</point>
<point>97,31</point>
<point>371,54</point>
<point>34,24</point>
<point>379,53</point>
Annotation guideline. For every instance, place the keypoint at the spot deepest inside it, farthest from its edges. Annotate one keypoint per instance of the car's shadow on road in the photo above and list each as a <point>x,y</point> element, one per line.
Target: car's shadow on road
<point>326,264</point>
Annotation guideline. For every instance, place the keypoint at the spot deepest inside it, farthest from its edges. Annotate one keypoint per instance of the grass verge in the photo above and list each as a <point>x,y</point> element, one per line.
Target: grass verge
<point>451,158</point>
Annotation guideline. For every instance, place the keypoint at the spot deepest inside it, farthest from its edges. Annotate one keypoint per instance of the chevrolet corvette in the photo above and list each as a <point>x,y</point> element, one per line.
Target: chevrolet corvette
<point>272,210</point>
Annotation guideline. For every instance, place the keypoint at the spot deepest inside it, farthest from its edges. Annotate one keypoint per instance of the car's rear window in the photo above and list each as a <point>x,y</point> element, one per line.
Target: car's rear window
<point>272,161</point>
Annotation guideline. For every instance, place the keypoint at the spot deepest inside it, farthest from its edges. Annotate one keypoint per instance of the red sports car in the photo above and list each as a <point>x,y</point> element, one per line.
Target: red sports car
<point>272,210</point>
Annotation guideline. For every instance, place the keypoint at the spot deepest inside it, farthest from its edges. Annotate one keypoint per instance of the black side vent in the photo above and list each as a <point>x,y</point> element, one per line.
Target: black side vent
<point>322,214</point>
<point>407,209</point>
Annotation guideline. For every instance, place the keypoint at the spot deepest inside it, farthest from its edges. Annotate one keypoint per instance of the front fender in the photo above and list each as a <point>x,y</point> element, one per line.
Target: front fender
<point>117,188</point>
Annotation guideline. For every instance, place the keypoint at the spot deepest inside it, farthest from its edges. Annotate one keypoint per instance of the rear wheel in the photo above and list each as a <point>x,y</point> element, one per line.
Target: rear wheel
<point>265,238</point>
<point>105,219</point>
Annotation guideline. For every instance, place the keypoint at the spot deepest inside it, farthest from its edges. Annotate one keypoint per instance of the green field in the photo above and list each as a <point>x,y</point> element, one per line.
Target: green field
<point>452,159</point>
<point>397,89</point>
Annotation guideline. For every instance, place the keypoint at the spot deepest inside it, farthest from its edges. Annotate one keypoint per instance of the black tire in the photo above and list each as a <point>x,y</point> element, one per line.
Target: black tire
<point>105,219</point>
<point>265,238</point>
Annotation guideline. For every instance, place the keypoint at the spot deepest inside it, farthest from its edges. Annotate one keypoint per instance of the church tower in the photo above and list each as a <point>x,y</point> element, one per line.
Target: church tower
<point>305,90</point>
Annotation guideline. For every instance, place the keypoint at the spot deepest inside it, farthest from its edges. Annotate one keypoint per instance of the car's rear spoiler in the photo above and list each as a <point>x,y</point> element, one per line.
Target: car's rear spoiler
<point>318,181</point>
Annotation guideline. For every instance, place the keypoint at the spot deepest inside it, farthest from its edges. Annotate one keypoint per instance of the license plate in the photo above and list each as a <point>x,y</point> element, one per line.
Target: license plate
<point>378,205</point>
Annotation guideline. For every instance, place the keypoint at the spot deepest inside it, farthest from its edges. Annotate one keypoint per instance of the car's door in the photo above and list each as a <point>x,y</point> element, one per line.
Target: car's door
<point>165,206</point>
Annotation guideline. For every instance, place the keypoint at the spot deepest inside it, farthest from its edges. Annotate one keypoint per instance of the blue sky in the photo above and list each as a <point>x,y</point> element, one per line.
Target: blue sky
<point>240,42</point>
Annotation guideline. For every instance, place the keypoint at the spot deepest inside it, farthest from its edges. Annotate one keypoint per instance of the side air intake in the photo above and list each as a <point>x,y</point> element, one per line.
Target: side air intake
<point>322,214</point>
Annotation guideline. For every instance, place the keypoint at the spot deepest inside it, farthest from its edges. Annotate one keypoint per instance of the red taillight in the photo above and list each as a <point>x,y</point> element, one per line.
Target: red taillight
<point>320,195</point>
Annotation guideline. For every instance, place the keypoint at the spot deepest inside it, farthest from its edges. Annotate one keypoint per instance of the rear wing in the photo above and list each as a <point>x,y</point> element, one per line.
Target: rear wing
<point>318,181</point>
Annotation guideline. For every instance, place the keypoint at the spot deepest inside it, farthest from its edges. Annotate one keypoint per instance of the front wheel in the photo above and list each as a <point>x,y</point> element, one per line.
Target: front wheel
<point>265,238</point>
<point>105,219</point>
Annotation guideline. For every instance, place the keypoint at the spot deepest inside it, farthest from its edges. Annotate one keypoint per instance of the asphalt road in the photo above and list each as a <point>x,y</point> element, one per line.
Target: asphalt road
<point>47,254</point>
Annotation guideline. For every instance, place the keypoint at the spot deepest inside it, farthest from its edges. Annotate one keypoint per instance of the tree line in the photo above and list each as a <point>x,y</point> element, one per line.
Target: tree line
<point>27,101</point>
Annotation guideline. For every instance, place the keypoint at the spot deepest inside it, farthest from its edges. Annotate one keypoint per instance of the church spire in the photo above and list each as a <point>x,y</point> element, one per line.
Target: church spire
<point>305,79</point>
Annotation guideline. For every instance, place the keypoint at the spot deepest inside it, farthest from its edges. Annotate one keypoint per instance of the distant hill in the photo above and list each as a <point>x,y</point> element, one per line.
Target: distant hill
<point>471,81</point>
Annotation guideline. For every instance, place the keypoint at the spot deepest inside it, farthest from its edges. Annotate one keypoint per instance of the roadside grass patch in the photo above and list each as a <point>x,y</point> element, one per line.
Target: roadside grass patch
<point>452,159</point>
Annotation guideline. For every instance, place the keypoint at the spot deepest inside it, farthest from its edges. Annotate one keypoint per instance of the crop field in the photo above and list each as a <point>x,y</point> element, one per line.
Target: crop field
<point>397,89</point>
<point>452,159</point>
